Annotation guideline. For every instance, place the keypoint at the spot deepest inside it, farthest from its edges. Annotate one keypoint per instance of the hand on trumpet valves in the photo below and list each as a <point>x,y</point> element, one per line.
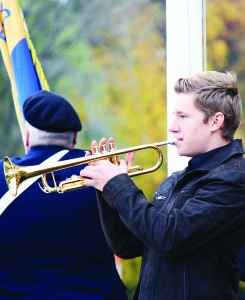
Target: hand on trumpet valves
<point>99,172</point>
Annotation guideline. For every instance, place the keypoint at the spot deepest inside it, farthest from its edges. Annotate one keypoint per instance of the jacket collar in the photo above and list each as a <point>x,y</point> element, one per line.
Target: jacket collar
<point>220,155</point>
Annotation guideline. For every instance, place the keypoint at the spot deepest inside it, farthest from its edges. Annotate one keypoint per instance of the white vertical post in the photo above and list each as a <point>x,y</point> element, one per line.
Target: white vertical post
<point>184,56</point>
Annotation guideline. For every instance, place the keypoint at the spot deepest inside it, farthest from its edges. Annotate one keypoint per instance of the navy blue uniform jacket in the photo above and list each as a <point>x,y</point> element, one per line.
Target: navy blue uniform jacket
<point>52,245</point>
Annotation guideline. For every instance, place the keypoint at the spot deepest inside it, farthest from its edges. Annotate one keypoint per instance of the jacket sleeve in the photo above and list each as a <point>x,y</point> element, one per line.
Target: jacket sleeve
<point>214,210</point>
<point>119,238</point>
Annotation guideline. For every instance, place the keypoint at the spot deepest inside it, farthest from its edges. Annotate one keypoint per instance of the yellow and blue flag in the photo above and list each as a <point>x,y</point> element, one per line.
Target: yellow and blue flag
<point>23,67</point>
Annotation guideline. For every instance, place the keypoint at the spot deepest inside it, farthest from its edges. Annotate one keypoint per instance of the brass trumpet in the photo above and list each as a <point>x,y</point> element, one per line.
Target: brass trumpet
<point>15,175</point>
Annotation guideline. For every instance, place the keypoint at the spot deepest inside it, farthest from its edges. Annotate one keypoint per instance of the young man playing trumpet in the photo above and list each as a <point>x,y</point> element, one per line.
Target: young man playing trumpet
<point>192,232</point>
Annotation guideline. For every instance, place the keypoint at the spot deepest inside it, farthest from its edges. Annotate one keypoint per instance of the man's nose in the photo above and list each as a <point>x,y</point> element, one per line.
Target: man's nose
<point>173,127</point>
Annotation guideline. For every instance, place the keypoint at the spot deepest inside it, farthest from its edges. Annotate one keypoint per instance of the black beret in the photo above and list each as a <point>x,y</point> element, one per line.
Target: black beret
<point>51,112</point>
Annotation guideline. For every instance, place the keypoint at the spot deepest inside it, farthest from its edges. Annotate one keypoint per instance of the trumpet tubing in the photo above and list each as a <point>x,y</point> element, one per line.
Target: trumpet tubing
<point>15,175</point>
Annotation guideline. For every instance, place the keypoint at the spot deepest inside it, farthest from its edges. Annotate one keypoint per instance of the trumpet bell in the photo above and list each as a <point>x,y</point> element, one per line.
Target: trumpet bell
<point>11,175</point>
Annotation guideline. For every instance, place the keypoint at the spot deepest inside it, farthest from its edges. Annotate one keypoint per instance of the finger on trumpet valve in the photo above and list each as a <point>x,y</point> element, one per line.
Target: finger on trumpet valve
<point>111,146</point>
<point>96,151</point>
<point>113,159</point>
<point>103,148</point>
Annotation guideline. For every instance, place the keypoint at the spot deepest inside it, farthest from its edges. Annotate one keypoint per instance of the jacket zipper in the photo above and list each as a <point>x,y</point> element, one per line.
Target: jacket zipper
<point>160,196</point>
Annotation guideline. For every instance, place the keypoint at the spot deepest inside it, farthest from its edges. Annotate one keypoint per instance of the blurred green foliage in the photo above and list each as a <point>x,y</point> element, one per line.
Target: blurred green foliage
<point>241,291</point>
<point>131,269</point>
<point>108,58</point>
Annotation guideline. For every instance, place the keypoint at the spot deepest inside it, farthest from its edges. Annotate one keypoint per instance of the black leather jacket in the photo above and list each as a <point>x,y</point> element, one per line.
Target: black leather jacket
<point>189,236</point>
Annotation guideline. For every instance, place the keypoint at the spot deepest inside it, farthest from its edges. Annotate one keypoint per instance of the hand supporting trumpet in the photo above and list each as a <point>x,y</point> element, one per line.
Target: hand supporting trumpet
<point>98,173</point>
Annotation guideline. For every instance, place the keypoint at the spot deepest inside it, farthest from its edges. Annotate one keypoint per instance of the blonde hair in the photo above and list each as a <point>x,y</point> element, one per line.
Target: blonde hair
<point>215,92</point>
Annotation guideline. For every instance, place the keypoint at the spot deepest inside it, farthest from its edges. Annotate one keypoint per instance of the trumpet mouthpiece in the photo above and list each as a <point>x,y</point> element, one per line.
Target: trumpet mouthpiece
<point>172,142</point>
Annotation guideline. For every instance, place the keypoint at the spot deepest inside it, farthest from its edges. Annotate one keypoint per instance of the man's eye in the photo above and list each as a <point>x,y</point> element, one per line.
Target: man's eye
<point>183,117</point>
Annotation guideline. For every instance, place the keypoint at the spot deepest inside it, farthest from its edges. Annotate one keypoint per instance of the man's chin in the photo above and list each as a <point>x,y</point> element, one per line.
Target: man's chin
<point>180,151</point>
<point>183,153</point>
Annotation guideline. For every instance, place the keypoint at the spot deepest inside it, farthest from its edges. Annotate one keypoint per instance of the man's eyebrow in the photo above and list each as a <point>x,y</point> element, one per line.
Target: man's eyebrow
<point>180,112</point>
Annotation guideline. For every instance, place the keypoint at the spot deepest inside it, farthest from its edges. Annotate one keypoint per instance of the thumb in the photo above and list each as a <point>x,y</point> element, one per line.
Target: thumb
<point>87,153</point>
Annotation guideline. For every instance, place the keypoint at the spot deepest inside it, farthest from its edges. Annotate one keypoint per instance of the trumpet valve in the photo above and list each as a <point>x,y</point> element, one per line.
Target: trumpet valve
<point>104,148</point>
<point>96,150</point>
<point>113,159</point>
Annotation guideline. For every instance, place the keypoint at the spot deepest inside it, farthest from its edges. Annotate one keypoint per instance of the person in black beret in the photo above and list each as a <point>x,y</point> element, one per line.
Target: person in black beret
<point>52,245</point>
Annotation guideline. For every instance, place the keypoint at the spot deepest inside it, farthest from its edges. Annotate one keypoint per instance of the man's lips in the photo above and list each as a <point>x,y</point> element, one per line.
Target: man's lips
<point>178,141</point>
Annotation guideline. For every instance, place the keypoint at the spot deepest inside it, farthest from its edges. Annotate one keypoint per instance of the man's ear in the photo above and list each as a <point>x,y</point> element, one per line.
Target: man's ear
<point>75,139</point>
<point>217,121</point>
<point>27,144</point>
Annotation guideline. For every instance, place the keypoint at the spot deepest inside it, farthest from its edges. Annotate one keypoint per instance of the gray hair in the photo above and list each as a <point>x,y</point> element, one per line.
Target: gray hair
<point>39,137</point>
